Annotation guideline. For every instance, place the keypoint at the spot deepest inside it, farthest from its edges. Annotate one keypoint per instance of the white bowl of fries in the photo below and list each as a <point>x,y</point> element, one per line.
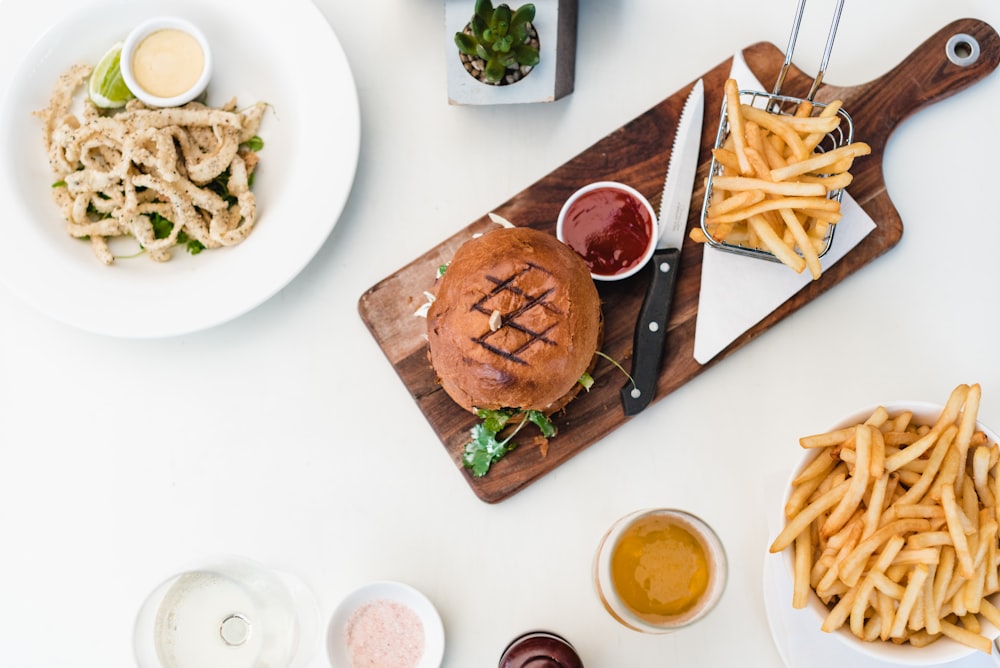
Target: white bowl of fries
<point>898,557</point>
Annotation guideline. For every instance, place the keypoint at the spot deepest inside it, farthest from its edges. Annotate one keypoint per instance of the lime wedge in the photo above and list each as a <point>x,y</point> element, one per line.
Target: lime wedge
<point>106,88</point>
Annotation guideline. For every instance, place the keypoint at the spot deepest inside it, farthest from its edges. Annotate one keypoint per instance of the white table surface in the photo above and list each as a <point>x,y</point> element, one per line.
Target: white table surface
<point>292,441</point>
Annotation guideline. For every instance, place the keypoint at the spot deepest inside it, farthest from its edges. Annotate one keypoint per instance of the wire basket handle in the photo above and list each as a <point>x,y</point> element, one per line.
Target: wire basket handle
<point>791,49</point>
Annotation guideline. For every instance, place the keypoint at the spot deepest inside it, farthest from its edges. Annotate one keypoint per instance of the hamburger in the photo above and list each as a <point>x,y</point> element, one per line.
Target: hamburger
<point>513,330</point>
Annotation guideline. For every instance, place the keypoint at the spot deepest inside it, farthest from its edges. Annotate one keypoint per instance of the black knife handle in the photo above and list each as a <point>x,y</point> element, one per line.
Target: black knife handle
<point>651,331</point>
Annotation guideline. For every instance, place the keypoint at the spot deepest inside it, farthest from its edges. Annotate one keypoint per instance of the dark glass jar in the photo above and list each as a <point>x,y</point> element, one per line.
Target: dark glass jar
<point>540,649</point>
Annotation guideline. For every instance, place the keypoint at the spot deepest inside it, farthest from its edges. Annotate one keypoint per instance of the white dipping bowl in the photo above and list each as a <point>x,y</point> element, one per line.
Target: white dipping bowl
<point>638,199</point>
<point>393,591</point>
<point>944,650</point>
<point>144,30</point>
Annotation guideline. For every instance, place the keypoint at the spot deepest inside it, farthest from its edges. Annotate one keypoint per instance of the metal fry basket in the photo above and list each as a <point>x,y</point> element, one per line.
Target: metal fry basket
<point>776,103</point>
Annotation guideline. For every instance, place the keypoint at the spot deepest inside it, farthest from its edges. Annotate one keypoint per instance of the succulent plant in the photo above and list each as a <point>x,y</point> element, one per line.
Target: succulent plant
<point>500,37</point>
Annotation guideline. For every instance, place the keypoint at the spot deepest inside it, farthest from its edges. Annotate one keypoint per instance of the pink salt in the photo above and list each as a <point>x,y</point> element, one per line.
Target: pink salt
<point>384,634</point>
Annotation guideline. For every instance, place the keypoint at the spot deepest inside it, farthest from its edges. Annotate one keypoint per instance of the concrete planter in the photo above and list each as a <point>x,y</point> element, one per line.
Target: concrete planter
<point>551,79</point>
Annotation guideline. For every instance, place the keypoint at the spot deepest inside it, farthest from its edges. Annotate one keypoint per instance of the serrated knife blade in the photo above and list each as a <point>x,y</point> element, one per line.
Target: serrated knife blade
<point>675,205</point>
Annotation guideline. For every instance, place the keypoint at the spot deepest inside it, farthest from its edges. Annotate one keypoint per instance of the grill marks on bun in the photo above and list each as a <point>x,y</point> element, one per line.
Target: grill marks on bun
<point>521,306</point>
<point>549,322</point>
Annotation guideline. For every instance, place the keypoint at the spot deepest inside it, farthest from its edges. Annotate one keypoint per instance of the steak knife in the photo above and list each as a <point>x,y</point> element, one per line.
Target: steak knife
<point>678,186</point>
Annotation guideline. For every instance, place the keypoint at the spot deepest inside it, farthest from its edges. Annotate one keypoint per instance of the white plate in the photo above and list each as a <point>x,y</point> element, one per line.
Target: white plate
<point>284,53</point>
<point>393,591</point>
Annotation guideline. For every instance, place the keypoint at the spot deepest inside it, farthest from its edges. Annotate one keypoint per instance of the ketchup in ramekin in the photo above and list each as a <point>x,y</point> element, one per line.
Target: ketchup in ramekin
<point>611,226</point>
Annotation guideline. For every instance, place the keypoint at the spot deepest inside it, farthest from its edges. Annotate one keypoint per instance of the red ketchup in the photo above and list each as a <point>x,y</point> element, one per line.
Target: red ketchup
<point>609,228</point>
<point>540,649</point>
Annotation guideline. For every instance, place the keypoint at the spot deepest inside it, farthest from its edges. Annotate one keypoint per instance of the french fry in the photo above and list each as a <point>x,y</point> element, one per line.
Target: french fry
<point>800,496</point>
<point>802,242</point>
<point>877,462</point>
<point>739,200</point>
<point>929,539</point>
<point>932,616</point>
<point>829,162</point>
<point>859,483</point>
<point>832,182</point>
<point>990,612</point>
<point>948,416</point>
<point>942,579</point>
<point>803,568</point>
<point>779,125</point>
<point>828,439</point>
<point>966,637</point>
<point>813,140</point>
<point>788,188</point>
<point>727,159</point>
<point>915,583</point>
<point>981,465</point>
<point>876,501</point>
<point>774,243</point>
<point>758,163</point>
<point>917,490</point>
<point>968,423</point>
<point>811,204</point>
<point>697,235</point>
<point>808,514</point>
<point>852,567</point>
<point>957,531</point>
<point>737,127</point>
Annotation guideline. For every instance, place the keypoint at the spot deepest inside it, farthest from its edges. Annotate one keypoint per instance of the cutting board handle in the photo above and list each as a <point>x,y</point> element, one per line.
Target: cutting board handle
<point>955,57</point>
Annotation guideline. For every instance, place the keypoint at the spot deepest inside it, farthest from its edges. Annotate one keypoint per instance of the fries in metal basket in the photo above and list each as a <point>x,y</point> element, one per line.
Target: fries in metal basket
<point>776,180</point>
<point>893,526</point>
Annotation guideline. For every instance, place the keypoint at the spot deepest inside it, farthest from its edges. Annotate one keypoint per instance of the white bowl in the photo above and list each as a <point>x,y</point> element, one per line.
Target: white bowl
<point>633,194</point>
<point>144,30</point>
<point>944,650</point>
<point>396,592</point>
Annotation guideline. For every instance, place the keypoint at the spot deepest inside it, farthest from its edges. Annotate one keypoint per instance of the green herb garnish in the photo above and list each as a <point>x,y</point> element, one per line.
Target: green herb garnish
<point>485,449</point>
<point>163,227</point>
<point>255,143</point>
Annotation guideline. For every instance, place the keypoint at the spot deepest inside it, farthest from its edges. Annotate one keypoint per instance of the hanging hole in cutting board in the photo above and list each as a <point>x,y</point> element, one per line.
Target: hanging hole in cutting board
<point>962,49</point>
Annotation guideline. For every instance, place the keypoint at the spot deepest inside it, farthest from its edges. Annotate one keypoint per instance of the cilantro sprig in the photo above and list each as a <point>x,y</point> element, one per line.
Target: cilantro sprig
<point>485,448</point>
<point>163,227</point>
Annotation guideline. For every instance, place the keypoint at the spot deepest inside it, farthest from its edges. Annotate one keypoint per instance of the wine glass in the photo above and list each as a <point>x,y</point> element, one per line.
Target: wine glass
<point>228,612</point>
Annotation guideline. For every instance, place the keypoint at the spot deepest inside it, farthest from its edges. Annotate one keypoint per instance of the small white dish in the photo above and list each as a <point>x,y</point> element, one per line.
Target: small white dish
<point>599,241</point>
<point>135,40</point>
<point>397,592</point>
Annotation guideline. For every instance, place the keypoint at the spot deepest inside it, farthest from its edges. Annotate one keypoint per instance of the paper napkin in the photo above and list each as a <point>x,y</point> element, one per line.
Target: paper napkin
<point>737,292</point>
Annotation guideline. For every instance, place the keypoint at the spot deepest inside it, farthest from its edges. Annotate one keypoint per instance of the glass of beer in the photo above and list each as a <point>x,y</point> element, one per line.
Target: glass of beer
<point>660,569</point>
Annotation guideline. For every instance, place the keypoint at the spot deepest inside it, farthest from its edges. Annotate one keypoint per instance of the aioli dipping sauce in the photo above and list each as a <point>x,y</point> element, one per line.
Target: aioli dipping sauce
<point>168,62</point>
<point>540,649</point>
<point>611,226</point>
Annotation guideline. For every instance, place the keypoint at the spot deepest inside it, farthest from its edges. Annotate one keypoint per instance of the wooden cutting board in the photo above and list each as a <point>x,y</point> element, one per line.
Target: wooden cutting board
<point>637,154</point>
